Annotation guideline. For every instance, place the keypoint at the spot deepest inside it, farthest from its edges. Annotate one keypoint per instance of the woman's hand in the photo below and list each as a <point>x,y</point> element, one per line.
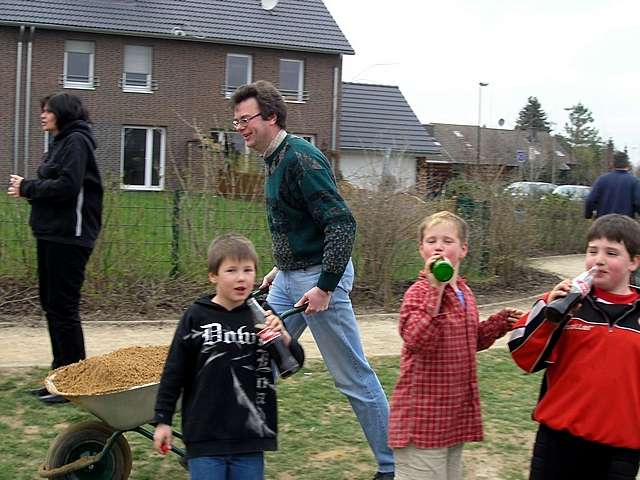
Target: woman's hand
<point>14,185</point>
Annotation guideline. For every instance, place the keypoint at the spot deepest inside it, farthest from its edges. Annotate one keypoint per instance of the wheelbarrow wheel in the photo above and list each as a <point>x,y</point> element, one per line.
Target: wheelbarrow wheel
<point>89,438</point>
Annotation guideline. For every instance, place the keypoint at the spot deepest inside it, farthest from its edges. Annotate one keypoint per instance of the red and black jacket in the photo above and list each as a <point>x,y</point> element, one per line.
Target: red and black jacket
<point>591,386</point>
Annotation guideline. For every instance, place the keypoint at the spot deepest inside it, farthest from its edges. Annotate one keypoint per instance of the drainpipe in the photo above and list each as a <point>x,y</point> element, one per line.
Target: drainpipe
<point>27,101</point>
<point>16,119</point>
<point>334,108</point>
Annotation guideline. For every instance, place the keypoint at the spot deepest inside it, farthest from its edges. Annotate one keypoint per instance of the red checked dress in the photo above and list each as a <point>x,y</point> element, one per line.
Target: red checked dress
<point>436,402</point>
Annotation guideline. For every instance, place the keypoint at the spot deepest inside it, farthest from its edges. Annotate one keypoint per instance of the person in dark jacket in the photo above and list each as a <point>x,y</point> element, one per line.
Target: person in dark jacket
<point>614,192</point>
<point>66,212</point>
<point>218,364</point>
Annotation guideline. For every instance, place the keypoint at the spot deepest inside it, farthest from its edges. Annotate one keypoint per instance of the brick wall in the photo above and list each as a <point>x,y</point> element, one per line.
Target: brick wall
<point>189,75</point>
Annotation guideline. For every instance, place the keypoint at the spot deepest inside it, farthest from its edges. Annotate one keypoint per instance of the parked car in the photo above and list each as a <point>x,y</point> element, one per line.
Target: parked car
<point>574,192</point>
<point>530,189</point>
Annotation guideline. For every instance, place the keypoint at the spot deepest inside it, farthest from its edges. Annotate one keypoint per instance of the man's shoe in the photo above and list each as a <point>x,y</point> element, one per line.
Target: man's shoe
<point>38,392</point>
<point>384,476</point>
<point>50,399</point>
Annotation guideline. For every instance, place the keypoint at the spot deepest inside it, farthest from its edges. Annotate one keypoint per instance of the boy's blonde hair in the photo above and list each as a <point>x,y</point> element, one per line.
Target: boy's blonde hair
<point>230,245</point>
<point>441,217</point>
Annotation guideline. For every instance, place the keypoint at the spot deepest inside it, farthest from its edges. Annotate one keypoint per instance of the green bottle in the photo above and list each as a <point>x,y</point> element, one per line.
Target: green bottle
<point>442,270</point>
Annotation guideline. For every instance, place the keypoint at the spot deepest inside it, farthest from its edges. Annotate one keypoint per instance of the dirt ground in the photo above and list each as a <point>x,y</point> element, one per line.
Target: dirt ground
<point>24,342</point>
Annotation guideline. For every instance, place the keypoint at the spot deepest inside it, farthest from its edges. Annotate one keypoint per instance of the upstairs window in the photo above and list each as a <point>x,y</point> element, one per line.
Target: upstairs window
<point>143,158</point>
<point>137,69</point>
<point>292,80</point>
<point>78,65</point>
<point>238,72</point>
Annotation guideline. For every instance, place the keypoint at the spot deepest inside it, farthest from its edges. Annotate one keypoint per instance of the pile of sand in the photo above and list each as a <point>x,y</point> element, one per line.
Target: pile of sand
<point>119,370</point>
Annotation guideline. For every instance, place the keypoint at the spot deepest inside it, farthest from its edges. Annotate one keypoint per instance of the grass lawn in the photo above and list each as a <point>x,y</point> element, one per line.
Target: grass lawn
<point>319,438</point>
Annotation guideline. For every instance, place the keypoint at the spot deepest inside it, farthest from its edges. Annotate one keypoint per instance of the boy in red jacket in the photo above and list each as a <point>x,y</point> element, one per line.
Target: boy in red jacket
<point>589,406</point>
<point>435,406</point>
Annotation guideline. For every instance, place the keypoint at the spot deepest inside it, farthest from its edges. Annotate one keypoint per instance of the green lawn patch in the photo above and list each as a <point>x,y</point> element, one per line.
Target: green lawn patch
<point>319,435</point>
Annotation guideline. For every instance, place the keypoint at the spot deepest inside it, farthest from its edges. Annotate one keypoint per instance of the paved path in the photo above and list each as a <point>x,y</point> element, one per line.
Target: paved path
<point>28,345</point>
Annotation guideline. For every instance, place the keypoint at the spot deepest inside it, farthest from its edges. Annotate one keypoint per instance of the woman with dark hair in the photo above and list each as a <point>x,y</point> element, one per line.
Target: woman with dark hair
<point>66,212</point>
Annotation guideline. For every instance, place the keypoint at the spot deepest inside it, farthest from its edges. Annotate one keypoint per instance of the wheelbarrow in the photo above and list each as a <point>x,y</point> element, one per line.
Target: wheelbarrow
<point>98,450</point>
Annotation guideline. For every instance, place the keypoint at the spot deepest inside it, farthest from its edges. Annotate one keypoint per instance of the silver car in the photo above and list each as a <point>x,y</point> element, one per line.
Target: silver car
<point>574,192</point>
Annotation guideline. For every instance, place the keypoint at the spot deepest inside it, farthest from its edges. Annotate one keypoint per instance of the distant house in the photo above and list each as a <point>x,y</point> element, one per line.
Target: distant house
<point>503,153</point>
<point>381,137</point>
<point>150,70</point>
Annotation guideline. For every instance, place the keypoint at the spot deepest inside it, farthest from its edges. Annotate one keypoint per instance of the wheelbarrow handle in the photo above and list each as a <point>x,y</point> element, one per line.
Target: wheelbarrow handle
<point>294,310</point>
<point>260,291</point>
<point>286,313</point>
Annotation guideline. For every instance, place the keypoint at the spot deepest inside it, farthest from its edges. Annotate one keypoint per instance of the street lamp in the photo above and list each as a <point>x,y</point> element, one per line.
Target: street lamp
<point>572,141</point>
<point>480,85</point>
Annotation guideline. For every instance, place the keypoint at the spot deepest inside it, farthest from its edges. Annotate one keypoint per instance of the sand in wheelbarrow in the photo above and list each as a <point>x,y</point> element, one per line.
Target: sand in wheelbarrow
<point>115,371</point>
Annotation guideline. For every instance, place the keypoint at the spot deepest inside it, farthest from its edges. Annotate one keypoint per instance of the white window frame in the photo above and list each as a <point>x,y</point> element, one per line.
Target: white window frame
<point>229,89</point>
<point>309,138</point>
<point>148,158</point>
<point>90,46</point>
<point>298,96</point>
<point>137,88</point>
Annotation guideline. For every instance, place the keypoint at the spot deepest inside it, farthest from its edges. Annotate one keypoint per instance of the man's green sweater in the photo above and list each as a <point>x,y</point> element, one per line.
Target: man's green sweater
<point>310,222</point>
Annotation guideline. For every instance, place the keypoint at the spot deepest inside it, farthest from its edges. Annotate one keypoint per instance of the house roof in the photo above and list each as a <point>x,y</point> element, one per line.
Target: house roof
<point>303,25</point>
<point>497,146</point>
<point>378,117</point>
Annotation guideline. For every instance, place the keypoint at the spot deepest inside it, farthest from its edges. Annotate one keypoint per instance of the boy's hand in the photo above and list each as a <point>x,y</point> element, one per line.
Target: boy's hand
<point>513,315</point>
<point>559,291</point>
<point>162,438</point>
<point>432,280</point>
<point>273,322</point>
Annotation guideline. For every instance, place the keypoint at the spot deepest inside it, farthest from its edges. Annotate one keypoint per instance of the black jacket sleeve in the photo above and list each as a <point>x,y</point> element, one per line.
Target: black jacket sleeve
<point>174,374</point>
<point>67,172</point>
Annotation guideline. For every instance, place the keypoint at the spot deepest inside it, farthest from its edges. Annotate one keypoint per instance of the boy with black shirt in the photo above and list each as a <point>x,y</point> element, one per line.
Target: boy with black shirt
<point>589,407</point>
<point>229,412</point>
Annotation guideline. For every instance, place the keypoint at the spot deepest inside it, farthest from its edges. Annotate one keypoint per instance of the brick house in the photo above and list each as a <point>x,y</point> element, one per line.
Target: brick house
<point>507,154</point>
<point>382,137</point>
<point>151,70</point>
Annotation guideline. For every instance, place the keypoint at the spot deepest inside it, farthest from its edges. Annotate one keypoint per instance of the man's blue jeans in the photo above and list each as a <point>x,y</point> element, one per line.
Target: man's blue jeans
<point>336,334</point>
<point>247,466</point>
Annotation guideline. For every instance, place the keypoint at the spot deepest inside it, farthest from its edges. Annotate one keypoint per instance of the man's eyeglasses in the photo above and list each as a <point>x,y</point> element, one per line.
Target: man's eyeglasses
<point>244,121</point>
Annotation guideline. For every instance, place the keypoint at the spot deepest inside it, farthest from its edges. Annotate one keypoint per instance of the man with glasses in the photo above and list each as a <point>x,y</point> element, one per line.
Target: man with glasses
<point>313,232</point>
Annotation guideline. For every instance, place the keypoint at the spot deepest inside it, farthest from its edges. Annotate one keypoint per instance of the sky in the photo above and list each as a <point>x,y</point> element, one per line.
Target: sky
<point>560,51</point>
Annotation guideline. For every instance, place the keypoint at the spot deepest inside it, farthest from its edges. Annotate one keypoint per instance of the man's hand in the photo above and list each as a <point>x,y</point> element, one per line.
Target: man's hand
<point>318,300</point>
<point>268,278</point>
<point>14,186</point>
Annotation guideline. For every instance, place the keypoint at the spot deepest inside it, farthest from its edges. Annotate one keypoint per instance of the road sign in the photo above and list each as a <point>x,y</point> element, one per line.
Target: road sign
<point>521,156</point>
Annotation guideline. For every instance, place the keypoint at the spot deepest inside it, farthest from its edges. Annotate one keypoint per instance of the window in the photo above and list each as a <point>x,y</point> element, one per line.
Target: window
<point>238,72</point>
<point>137,69</point>
<point>292,79</point>
<point>143,152</point>
<point>309,138</point>
<point>237,156</point>
<point>78,65</point>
